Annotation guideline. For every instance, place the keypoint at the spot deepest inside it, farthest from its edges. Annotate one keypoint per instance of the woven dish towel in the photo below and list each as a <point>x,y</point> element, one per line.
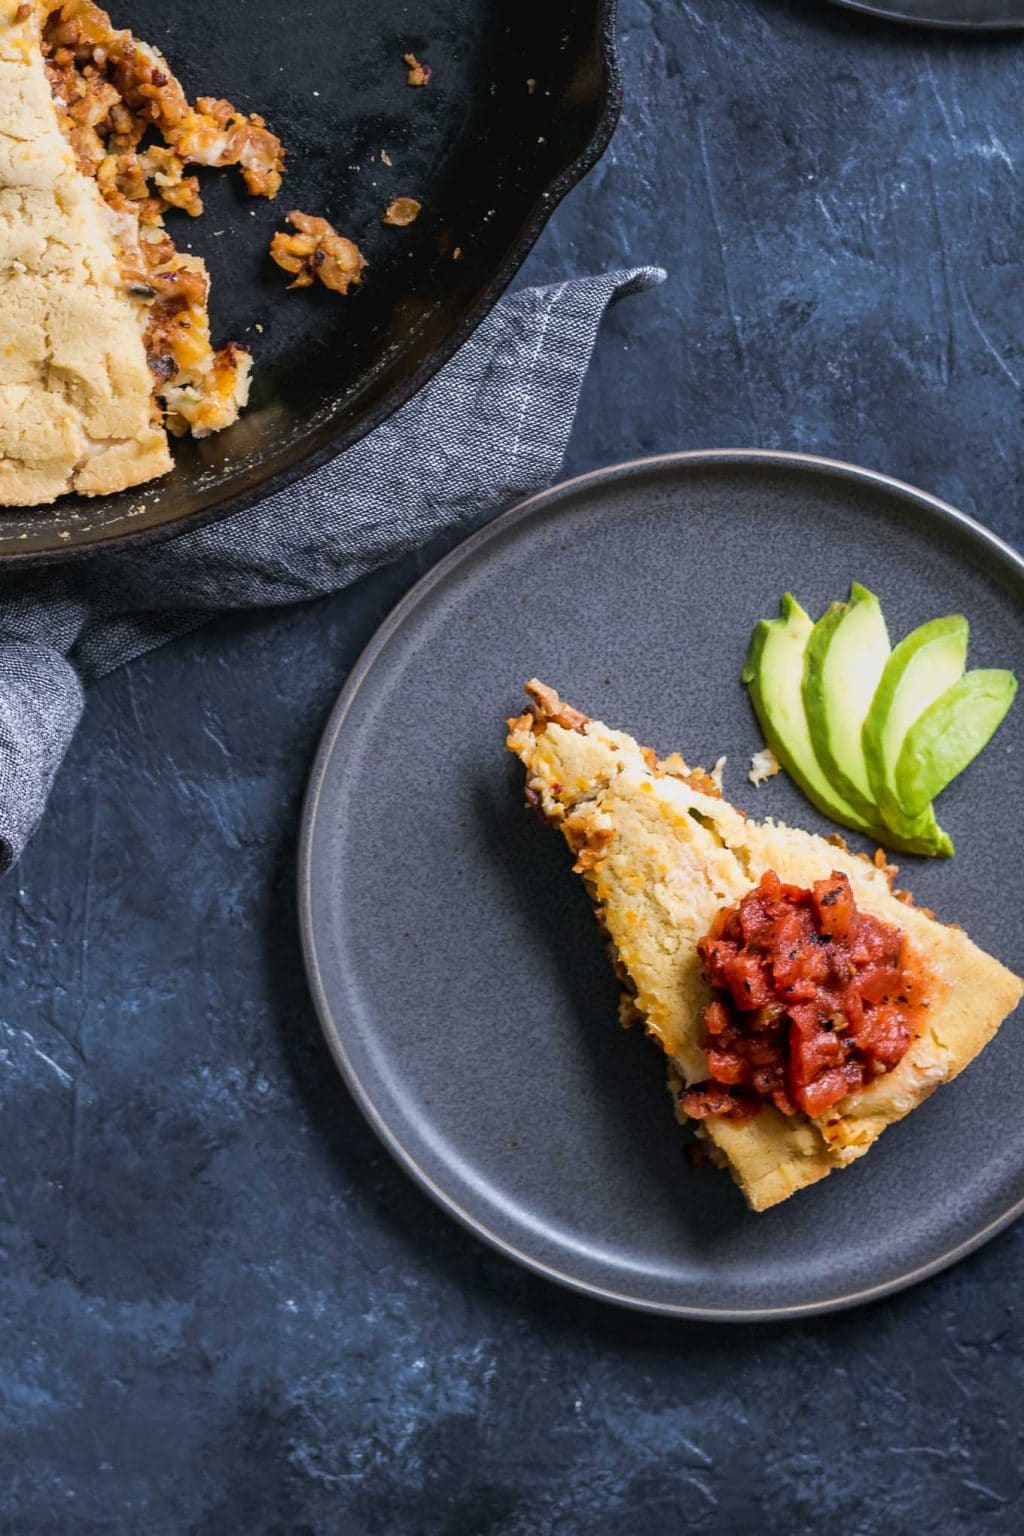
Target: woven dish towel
<point>490,428</point>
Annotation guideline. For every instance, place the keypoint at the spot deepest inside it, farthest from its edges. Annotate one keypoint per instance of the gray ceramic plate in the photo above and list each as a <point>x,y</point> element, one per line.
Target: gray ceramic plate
<point>979,15</point>
<point>454,961</point>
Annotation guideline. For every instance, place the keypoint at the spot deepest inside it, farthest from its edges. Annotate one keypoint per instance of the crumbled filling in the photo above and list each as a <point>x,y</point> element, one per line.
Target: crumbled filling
<point>317,251</point>
<point>812,999</point>
<point>114,93</point>
<point>401,211</point>
<point>113,89</point>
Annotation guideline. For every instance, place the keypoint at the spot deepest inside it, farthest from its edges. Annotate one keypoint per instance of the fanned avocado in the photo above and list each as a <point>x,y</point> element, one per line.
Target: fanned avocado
<point>921,668</point>
<point>950,734</point>
<point>872,735</point>
<point>774,672</point>
<point>846,656</point>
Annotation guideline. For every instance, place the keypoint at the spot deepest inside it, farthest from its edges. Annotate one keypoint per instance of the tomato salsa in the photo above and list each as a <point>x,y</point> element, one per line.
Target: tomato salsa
<point>812,998</point>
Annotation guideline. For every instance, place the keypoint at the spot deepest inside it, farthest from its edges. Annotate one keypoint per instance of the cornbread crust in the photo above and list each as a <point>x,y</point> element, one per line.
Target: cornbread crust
<point>75,387</point>
<point>660,856</point>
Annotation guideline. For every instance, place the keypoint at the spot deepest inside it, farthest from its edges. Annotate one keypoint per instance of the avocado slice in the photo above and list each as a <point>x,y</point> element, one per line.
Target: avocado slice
<point>950,734</point>
<point>924,664</point>
<point>846,656</point>
<point>774,672</point>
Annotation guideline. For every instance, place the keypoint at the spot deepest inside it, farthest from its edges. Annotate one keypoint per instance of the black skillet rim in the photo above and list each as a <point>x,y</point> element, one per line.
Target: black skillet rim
<point>329,442</point>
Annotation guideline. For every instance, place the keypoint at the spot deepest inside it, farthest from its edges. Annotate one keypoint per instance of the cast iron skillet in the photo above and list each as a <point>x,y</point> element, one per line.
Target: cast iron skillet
<point>971,15</point>
<point>522,101</point>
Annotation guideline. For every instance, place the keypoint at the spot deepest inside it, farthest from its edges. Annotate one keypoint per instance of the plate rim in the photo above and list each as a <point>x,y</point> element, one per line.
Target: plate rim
<point>879,11</point>
<point>329,445</point>
<point>389,1137</point>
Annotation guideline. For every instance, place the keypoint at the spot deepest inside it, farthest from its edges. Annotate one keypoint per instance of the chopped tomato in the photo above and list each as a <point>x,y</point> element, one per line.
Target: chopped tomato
<point>813,1050</point>
<point>853,1006</point>
<point>884,1036</point>
<point>812,999</point>
<point>832,902</point>
<point>824,1091</point>
<point>727,1067</point>
<point>716,1019</point>
<point>881,982</point>
<point>745,975</point>
<point>700,1103</point>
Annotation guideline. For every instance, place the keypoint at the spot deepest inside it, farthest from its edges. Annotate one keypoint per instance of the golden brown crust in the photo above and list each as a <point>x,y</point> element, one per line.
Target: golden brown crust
<point>660,858</point>
<point>75,389</point>
<point>548,709</point>
<point>93,290</point>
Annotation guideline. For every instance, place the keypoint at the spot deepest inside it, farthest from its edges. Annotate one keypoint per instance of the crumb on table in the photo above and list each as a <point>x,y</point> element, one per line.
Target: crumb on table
<point>419,73</point>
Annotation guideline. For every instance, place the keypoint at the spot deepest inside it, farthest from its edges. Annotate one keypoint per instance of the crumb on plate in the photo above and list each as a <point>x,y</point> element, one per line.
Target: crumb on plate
<point>763,765</point>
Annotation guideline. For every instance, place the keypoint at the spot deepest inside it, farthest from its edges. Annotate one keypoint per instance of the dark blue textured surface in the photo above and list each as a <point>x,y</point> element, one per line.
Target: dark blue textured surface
<point>223,1309</point>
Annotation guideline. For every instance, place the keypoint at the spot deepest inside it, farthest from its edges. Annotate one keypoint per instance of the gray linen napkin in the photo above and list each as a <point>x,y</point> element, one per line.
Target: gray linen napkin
<point>490,428</point>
